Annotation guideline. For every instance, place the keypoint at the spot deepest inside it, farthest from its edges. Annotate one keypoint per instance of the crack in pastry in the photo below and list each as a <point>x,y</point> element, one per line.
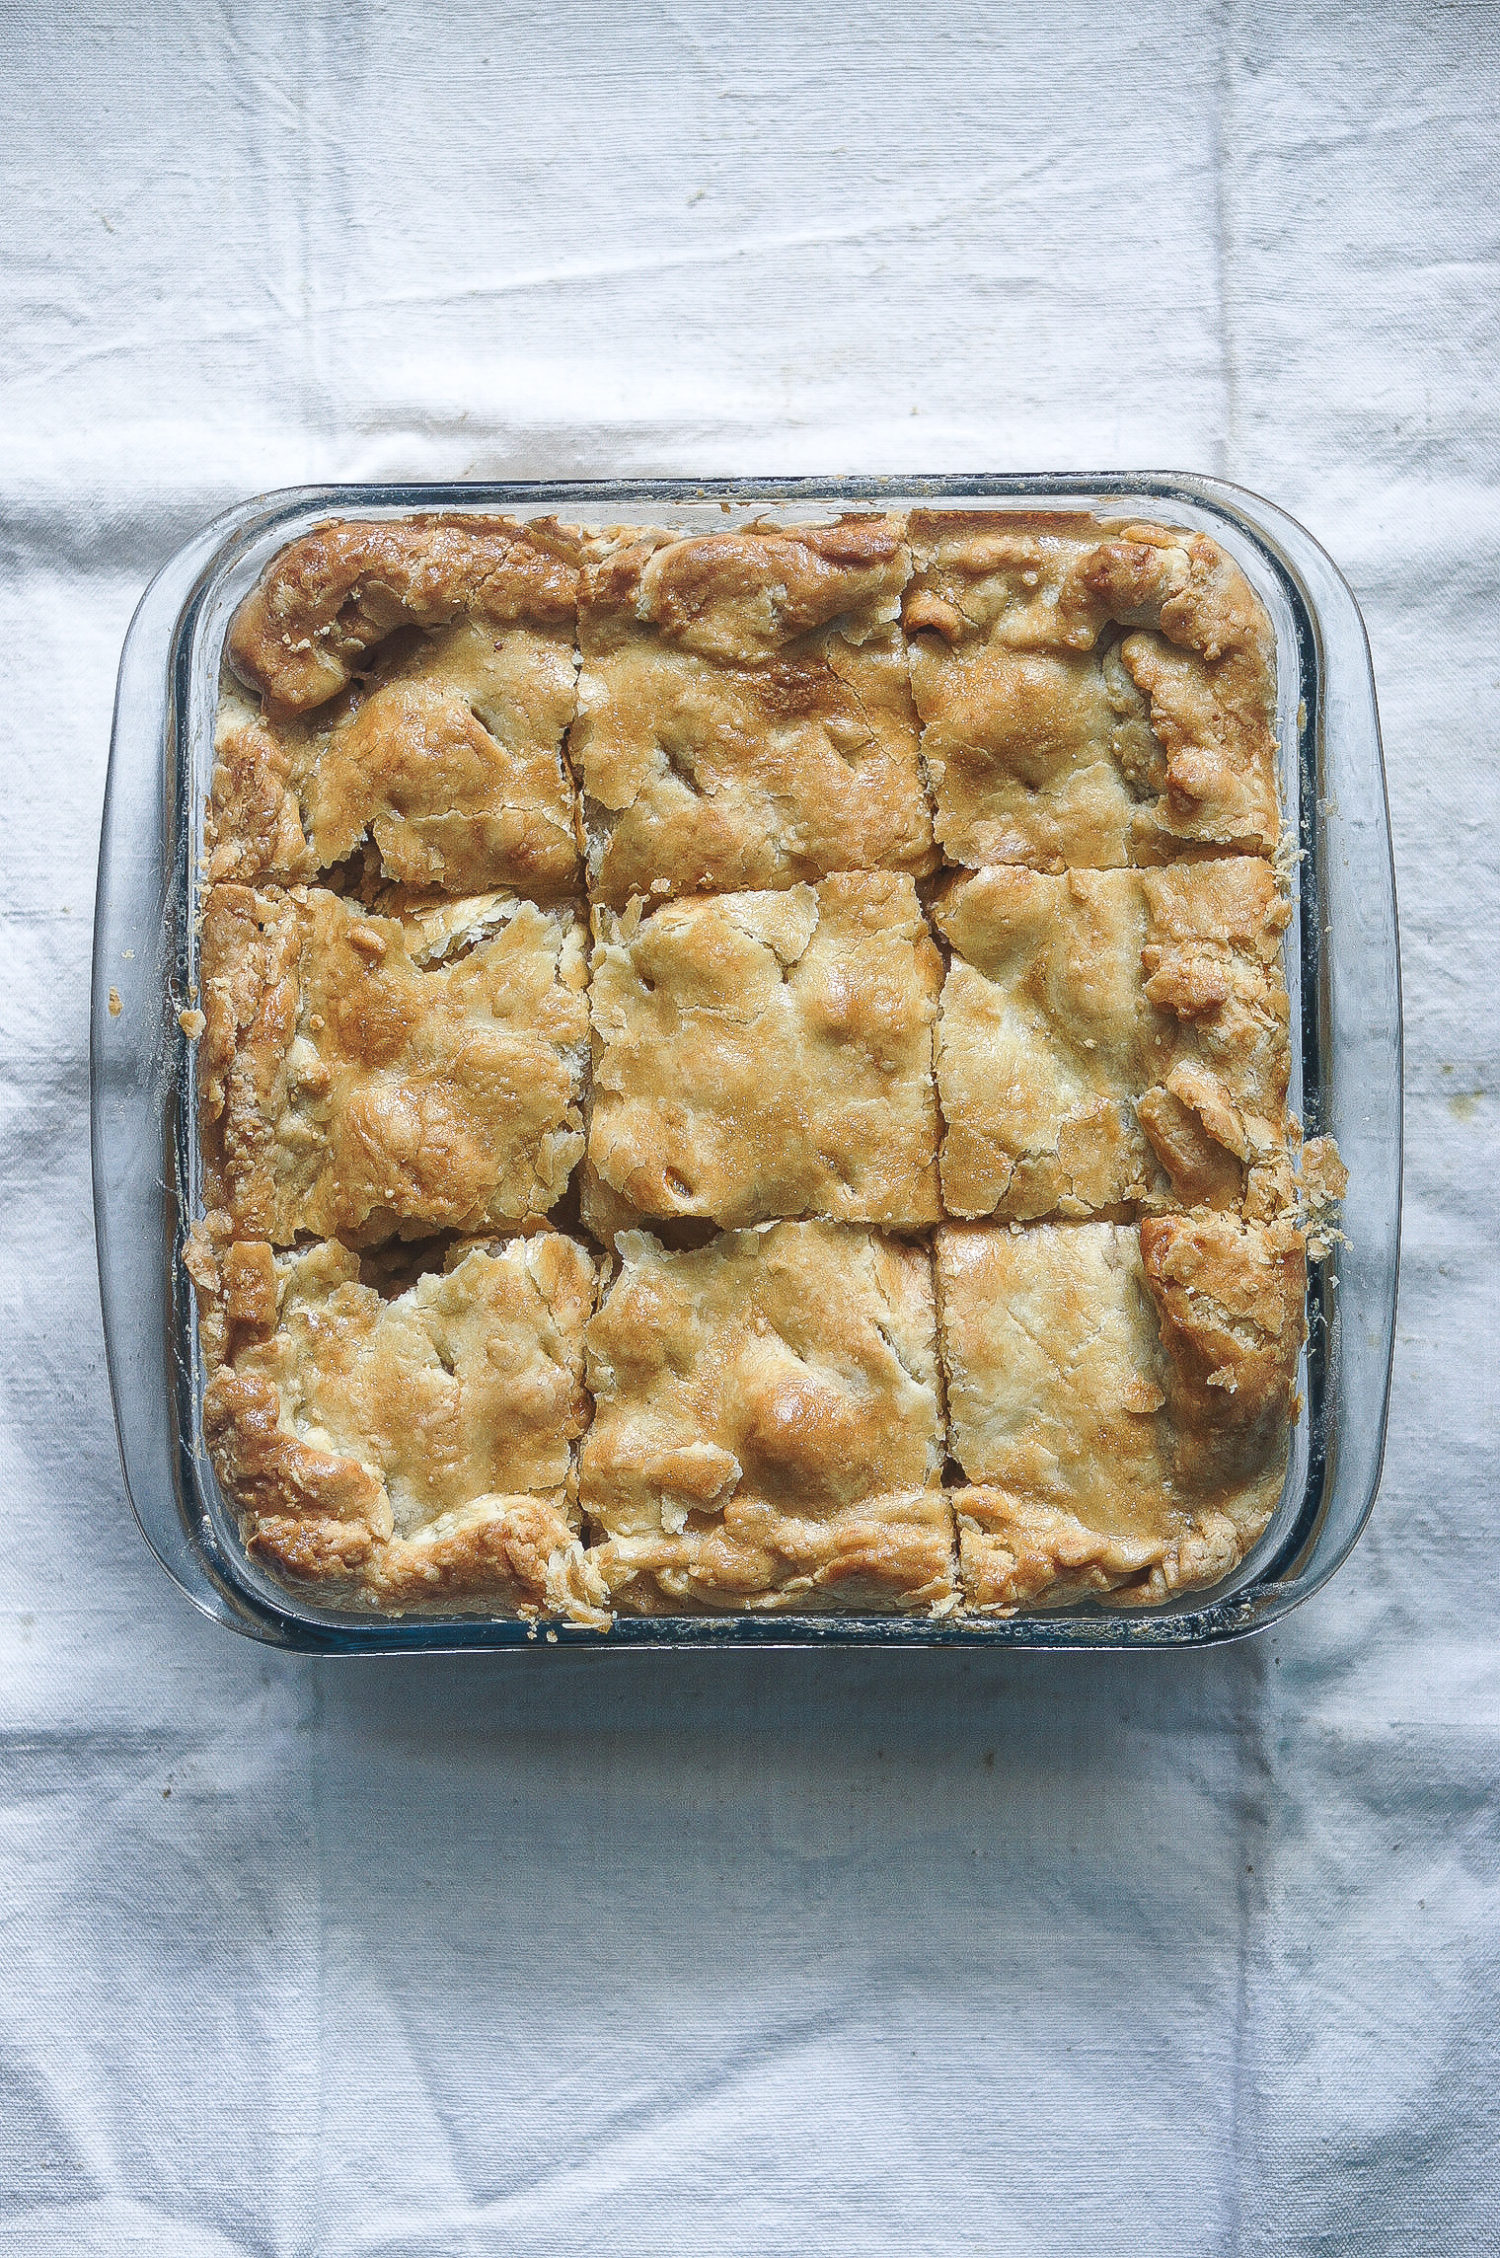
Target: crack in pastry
<point>417,1449</point>
<point>1119,1399</point>
<point>745,717</point>
<point>354,1082</point>
<point>767,1430</point>
<point>1112,1037</point>
<point>450,759</point>
<point>1048,738</point>
<point>768,1054</point>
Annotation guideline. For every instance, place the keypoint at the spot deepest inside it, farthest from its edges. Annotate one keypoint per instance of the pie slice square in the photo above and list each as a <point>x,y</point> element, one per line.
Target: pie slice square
<point>417,1449</point>
<point>745,717</point>
<point>769,1054</point>
<point>416,682</point>
<point>372,1076</point>
<point>768,1430</point>
<point>1091,695</point>
<point>1119,1397</point>
<point>1114,1036</point>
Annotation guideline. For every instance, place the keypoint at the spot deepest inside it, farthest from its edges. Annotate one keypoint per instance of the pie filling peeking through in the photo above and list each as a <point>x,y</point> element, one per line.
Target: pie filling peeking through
<point>747,1071</point>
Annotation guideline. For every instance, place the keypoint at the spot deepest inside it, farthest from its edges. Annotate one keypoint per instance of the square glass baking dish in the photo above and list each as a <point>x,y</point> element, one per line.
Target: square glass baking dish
<point>1342,970</point>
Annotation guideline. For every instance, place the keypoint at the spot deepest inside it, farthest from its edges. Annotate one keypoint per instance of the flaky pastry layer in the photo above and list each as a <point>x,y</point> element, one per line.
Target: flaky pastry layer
<point>883,1556</point>
<point>374,1076</point>
<point>1113,1037</point>
<point>1090,695</point>
<point>769,1054</point>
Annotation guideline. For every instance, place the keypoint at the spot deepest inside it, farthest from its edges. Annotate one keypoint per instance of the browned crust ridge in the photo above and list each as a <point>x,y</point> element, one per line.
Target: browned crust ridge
<point>334,594</point>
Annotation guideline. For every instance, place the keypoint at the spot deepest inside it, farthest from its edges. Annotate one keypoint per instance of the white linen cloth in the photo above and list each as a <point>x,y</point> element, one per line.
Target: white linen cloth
<point>746,1953</point>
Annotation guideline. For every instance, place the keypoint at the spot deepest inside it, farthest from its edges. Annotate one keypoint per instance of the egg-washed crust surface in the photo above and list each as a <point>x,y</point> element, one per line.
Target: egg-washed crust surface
<point>374,1076</point>
<point>1114,1037</point>
<point>745,746</point>
<point>414,1451</point>
<point>1119,1399</point>
<point>768,1423</point>
<point>404,688</point>
<point>338,592</point>
<point>769,1054</point>
<point>1092,695</point>
<point>745,716</point>
<point>448,763</point>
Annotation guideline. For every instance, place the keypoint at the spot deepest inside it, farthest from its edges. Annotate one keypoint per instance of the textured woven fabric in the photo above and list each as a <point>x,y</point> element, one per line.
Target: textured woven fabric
<point>747,1953</point>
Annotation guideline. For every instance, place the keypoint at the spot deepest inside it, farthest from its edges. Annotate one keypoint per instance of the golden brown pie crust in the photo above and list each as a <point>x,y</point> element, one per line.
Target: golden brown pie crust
<point>745,716</point>
<point>1091,695</point>
<point>1114,1037</point>
<point>747,1071</point>
<point>417,681</point>
<point>334,595</point>
<point>1119,1398</point>
<point>769,1054</point>
<point>361,1075</point>
<point>415,1449</point>
<point>786,1375</point>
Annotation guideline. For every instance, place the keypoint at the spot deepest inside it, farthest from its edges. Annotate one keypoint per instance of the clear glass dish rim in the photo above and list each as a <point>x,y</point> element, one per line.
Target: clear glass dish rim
<point>168,1476</point>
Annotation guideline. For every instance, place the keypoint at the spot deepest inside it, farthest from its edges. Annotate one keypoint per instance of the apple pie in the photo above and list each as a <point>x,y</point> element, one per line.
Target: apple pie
<point>746,1070</point>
